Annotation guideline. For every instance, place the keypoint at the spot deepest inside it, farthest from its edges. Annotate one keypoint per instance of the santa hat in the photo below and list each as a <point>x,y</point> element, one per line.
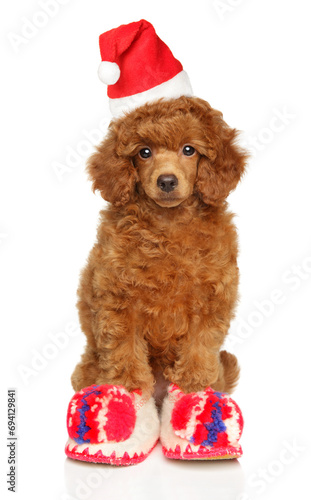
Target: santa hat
<point>138,68</point>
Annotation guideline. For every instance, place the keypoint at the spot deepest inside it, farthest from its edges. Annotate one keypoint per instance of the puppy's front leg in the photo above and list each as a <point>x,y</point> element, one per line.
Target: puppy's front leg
<point>122,351</point>
<point>196,367</point>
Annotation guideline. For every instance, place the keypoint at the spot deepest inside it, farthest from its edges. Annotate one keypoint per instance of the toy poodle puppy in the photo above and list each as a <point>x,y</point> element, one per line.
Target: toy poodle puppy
<point>160,286</point>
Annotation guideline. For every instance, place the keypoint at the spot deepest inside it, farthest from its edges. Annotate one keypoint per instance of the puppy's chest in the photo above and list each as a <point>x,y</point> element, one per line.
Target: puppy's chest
<point>169,266</point>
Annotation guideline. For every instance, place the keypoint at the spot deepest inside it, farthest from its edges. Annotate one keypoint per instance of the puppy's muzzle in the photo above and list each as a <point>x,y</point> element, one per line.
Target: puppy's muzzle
<point>167,183</point>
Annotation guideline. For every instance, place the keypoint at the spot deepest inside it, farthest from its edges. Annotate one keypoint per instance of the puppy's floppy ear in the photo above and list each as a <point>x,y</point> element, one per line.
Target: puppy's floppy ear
<point>222,163</point>
<point>113,174</point>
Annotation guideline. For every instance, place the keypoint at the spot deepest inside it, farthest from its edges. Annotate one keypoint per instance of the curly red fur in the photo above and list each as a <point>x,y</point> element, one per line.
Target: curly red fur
<point>160,287</point>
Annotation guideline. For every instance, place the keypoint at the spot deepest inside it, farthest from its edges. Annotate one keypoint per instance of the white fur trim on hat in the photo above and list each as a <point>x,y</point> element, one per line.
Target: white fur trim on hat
<point>109,72</point>
<point>175,87</point>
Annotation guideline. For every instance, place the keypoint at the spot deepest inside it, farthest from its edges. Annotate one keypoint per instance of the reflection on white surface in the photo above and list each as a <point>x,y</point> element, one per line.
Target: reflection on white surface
<point>156,477</point>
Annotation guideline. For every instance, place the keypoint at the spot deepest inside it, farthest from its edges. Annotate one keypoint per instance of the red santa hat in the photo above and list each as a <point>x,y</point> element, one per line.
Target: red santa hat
<point>138,67</point>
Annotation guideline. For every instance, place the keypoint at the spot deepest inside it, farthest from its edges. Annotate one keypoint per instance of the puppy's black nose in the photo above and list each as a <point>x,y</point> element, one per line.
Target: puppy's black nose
<point>167,183</point>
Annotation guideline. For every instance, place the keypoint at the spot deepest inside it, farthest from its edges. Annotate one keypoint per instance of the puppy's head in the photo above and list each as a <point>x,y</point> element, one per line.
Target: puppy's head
<point>171,150</point>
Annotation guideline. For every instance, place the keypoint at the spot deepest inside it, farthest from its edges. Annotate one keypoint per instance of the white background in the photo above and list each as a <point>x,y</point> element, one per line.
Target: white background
<point>250,59</point>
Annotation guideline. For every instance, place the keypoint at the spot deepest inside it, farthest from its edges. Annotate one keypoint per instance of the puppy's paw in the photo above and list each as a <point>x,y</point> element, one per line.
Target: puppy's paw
<point>108,424</point>
<point>200,425</point>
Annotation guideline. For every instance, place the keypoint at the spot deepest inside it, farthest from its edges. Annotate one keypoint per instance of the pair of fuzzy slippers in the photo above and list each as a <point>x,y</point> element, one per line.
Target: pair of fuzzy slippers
<point>108,424</point>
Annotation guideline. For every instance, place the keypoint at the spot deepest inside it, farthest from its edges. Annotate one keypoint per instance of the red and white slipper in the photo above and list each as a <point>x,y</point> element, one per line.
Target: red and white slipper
<point>107,424</point>
<point>205,425</point>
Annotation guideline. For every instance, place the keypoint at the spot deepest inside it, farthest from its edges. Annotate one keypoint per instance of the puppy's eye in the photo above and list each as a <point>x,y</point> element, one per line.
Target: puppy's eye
<point>145,153</point>
<point>188,150</point>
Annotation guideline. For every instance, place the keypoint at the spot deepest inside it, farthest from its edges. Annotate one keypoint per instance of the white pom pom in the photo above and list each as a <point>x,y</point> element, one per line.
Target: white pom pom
<point>109,72</point>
